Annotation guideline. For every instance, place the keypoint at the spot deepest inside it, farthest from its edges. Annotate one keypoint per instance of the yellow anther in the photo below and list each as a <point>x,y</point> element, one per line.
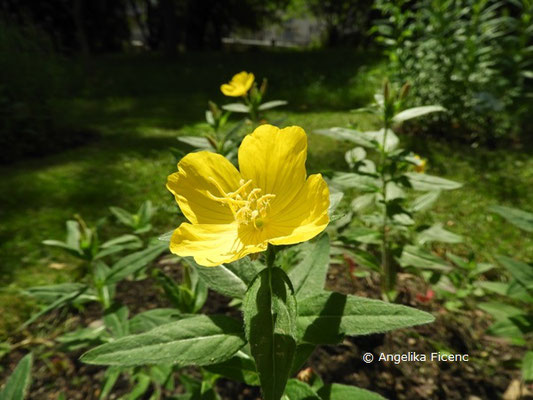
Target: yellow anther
<point>248,209</point>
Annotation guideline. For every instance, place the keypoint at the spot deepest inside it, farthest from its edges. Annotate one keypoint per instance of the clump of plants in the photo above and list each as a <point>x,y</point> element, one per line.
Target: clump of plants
<point>390,187</point>
<point>471,56</point>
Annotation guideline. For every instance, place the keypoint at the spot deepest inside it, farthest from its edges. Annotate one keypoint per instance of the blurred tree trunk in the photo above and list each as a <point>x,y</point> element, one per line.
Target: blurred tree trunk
<point>140,23</point>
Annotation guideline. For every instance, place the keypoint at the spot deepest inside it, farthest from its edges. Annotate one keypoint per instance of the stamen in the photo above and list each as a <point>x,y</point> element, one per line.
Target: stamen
<point>247,209</point>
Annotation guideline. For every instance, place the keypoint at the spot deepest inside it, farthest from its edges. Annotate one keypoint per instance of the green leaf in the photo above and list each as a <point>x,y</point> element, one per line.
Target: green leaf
<point>519,218</point>
<point>116,320</point>
<point>413,256</point>
<point>141,386</point>
<point>298,390</point>
<point>110,378</point>
<point>121,240</point>
<point>236,107</point>
<point>362,202</point>
<point>416,112</point>
<point>145,213</point>
<point>362,234</point>
<point>350,180</point>
<point>198,340</point>
<point>59,302</point>
<point>75,251</point>
<point>334,201</point>
<point>513,328</point>
<point>240,367</point>
<point>229,279</point>
<point>337,391</point>
<point>527,366</point>
<point>437,233</point>
<point>499,310</point>
<point>425,201</point>
<point>271,104</point>
<point>197,142</point>
<point>18,383</point>
<point>302,354</point>
<point>150,319</point>
<point>391,141</point>
<point>133,263</point>
<point>521,271</point>
<point>270,321</point>
<point>73,234</point>
<point>165,237</point>
<point>50,293</point>
<point>124,242</point>
<point>123,216</point>
<point>354,155</point>
<point>426,183</point>
<point>309,275</point>
<point>327,317</point>
<point>81,338</point>
<point>345,134</point>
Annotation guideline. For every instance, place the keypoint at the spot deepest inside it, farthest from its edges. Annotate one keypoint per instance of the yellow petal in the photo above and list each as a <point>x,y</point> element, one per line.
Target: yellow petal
<point>239,85</point>
<point>274,160</point>
<point>305,217</point>
<point>211,245</point>
<point>230,90</point>
<point>194,179</point>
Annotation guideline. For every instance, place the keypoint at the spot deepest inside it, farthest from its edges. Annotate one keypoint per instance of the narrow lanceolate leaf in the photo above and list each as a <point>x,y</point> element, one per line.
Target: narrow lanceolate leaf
<point>345,134</point>
<point>327,317</point>
<point>229,279</point>
<point>309,275</point>
<point>519,218</point>
<point>199,340</point>
<point>133,263</point>
<point>350,180</point>
<point>196,142</point>
<point>413,256</point>
<point>18,383</point>
<point>116,320</point>
<point>236,107</point>
<point>150,319</point>
<point>416,112</point>
<point>240,367</point>
<point>272,104</point>
<point>337,391</point>
<point>521,271</point>
<point>425,201</point>
<point>437,233</point>
<point>426,183</point>
<point>58,303</point>
<point>298,390</point>
<point>270,322</point>
<point>527,366</point>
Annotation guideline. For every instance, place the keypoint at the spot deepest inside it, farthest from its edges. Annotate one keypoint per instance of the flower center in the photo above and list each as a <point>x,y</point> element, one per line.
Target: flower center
<point>249,206</point>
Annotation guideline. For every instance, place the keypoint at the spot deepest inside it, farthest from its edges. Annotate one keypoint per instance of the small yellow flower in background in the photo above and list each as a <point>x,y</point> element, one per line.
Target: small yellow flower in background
<point>420,167</point>
<point>239,85</point>
<point>232,213</point>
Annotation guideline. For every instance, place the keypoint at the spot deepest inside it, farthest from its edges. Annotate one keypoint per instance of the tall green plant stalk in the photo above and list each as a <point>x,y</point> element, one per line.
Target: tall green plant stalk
<point>388,280</point>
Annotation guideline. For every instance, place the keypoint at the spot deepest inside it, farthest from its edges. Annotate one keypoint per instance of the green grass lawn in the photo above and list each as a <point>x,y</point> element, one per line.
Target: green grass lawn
<point>140,104</point>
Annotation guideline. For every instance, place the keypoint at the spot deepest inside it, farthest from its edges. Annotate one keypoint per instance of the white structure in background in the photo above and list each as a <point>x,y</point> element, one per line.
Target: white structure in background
<point>296,32</point>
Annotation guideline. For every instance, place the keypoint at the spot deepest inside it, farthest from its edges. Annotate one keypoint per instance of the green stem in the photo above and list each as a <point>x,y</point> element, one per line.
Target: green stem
<point>270,256</point>
<point>388,273</point>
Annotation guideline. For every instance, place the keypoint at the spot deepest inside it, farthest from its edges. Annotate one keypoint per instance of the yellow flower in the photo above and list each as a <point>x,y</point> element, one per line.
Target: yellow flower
<point>239,85</point>
<point>420,167</point>
<point>234,213</point>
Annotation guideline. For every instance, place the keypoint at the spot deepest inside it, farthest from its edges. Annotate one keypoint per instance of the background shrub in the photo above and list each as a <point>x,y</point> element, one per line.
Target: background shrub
<point>471,56</point>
